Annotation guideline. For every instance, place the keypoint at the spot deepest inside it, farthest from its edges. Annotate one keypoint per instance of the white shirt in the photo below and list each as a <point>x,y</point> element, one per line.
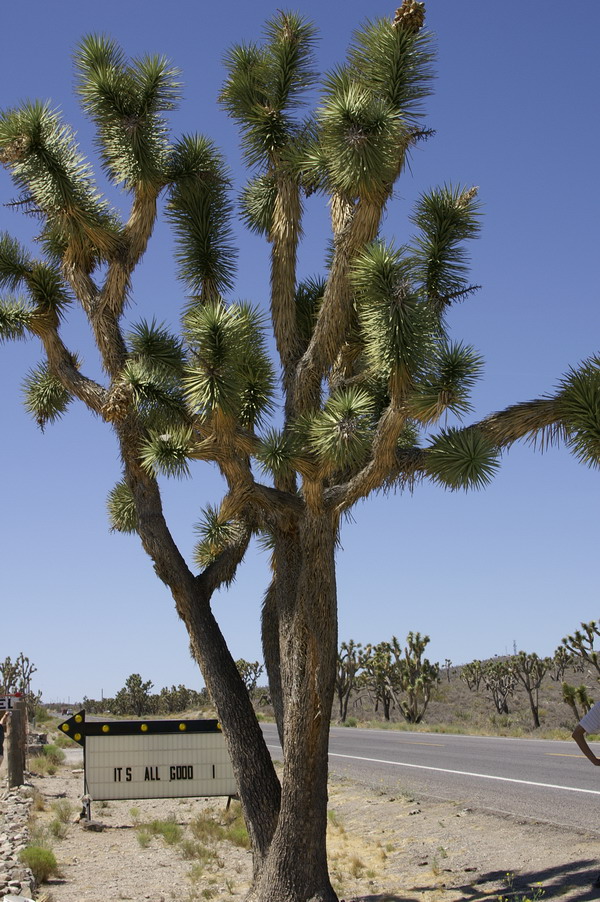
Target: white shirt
<point>591,721</point>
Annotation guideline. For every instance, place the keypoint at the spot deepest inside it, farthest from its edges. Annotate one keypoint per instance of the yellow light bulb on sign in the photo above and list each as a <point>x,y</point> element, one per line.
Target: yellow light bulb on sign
<point>105,728</point>
<point>78,718</point>
<point>77,737</point>
<point>144,728</point>
<point>65,727</point>
<point>182,726</point>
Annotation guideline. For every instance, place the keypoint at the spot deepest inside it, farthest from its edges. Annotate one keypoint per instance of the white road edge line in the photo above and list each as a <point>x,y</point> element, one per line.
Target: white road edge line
<point>465,773</point>
<point>462,773</point>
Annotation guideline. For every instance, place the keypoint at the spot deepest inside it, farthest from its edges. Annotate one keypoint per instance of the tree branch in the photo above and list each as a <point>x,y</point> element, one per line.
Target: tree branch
<point>336,309</point>
<point>538,421</point>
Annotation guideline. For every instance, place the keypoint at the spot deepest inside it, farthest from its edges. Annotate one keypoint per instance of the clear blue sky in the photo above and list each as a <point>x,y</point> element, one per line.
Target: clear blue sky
<point>515,112</point>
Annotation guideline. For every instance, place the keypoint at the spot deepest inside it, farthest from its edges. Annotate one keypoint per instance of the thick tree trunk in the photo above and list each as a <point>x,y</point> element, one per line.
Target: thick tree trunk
<point>271,653</point>
<point>287,823</point>
<point>255,774</point>
<point>295,869</point>
<point>534,708</point>
<point>257,781</point>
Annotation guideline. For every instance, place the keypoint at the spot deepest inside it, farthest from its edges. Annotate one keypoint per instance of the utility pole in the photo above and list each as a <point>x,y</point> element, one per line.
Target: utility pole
<point>17,740</point>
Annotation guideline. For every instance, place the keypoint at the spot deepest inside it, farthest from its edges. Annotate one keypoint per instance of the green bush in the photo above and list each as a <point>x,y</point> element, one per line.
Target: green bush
<point>40,861</point>
<point>53,754</point>
<point>170,831</point>
<point>65,742</point>
<point>57,828</point>
<point>41,714</point>
<point>42,765</point>
<point>63,810</point>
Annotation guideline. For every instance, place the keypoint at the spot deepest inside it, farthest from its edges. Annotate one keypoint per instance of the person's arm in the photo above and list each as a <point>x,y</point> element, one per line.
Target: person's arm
<point>578,735</point>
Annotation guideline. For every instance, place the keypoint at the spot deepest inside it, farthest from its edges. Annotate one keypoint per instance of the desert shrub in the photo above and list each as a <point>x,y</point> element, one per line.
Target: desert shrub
<point>38,802</point>
<point>196,851</point>
<point>63,810</point>
<point>40,861</point>
<point>231,827</point>
<point>42,765</point>
<point>58,828</point>
<point>204,827</point>
<point>41,714</point>
<point>64,742</point>
<point>143,837</point>
<point>235,829</point>
<point>170,831</point>
<point>53,754</point>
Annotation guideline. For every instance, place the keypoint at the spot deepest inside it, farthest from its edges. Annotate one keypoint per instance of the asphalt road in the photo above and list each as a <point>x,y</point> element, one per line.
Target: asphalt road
<point>544,780</point>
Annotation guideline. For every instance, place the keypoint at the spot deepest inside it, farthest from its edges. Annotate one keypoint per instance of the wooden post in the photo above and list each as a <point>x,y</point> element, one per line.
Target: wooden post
<point>16,744</point>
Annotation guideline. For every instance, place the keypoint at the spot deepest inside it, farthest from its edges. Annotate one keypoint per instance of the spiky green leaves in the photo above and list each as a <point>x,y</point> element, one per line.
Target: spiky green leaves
<point>45,398</point>
<point>396,64</point>
<point>369,111</point>
<point>199,209</point>
<point>45,164</point>
<point>229,370</point>
<point>257,204</point>
<point>158,348</point>
<point>454,369</point>
<point>446,218</point>
<point>359,139</point>
<point>309,296</point>
<point>265,84</point>
<point>15,262</point>
<point>168,452</point>
<point>276,453</point>
<point>120,505</point>
<point>126,101</point>
<point>579,406</point>
<point>341,434</point>
<point>397,325</point>
<point>151,377</point>
<point>462,459</point>
<point>43,282</point>
<point>15,320</point>
<point>216,535</point>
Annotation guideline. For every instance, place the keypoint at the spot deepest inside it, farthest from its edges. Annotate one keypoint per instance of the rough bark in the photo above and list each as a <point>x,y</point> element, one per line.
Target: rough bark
<point>257,781</point>
<point>295,869</point>
<point>271,653</point>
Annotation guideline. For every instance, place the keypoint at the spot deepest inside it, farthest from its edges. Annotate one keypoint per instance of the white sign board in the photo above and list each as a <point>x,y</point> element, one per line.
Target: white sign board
<point>6,702</point>
<point>156,766</point>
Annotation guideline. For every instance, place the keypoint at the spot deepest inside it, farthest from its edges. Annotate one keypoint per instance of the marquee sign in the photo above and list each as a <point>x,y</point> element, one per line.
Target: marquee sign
<point>152,759</point>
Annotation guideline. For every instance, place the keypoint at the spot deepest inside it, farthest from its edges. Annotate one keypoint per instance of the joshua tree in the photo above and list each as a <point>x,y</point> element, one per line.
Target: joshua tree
<point>250,672</point>
<point>366,365</point>
<point>134,697</point>
<point>500,680</point>
<point>572,695</point>
<point>472,675</point>
<point>350,660</point>
<point>417,676</point>
<point>380,676</point>
<point>530,670</point>
<point>560,660</point>
<point>581,645</point>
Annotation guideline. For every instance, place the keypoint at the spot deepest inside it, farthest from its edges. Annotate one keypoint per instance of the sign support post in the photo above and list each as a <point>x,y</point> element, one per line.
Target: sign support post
<point>17,732</point>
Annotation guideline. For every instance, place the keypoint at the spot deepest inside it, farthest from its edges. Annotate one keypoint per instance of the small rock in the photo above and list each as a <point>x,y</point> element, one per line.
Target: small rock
<point>95,826</point>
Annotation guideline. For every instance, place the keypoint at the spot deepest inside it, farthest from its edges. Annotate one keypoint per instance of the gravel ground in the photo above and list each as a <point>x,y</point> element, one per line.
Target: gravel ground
<point>380,847</point>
